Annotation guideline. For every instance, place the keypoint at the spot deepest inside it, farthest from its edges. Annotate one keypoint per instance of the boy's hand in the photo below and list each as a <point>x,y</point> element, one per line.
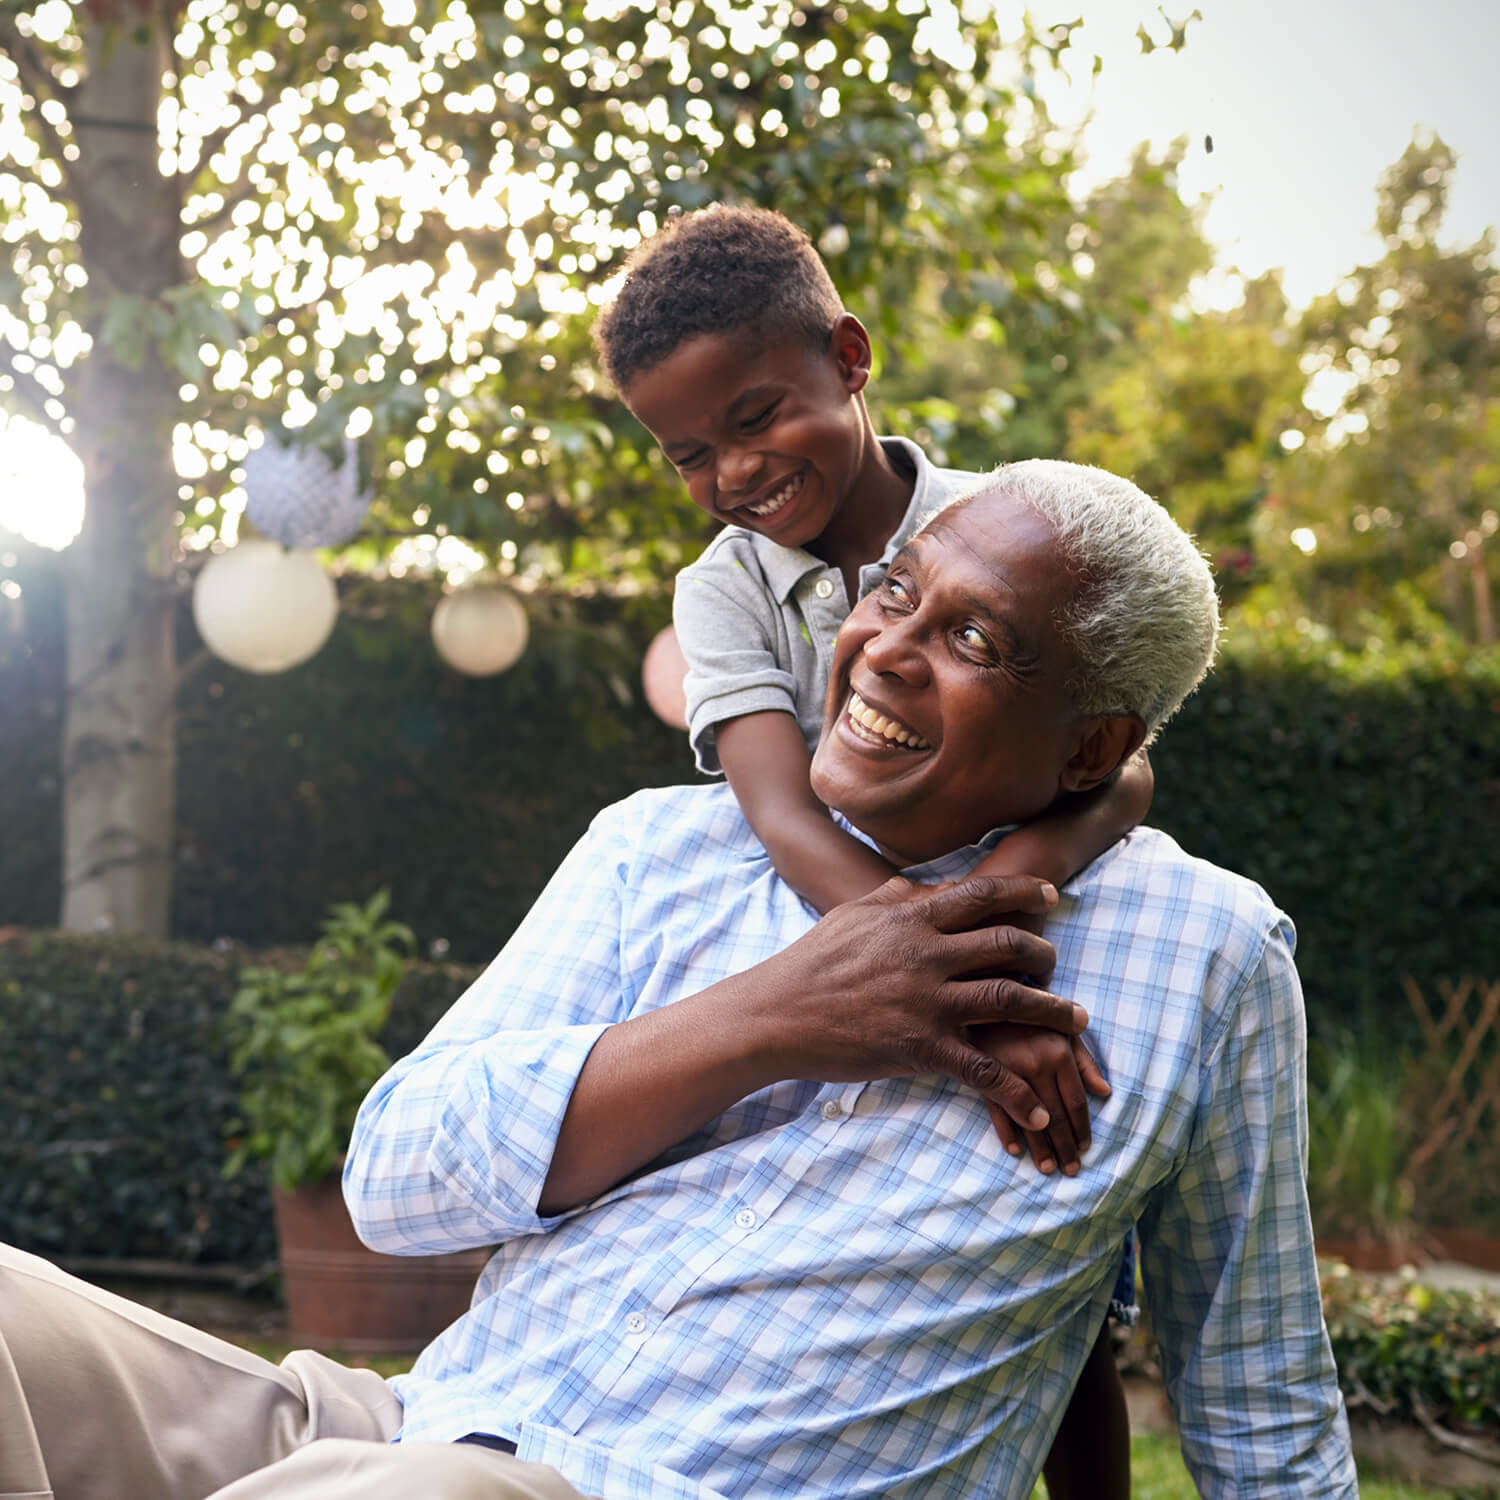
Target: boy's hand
<point>1059,1069</point>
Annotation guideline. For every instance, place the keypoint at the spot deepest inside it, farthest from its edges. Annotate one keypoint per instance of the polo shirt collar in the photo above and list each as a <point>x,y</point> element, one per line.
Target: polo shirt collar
<point>785,567</point>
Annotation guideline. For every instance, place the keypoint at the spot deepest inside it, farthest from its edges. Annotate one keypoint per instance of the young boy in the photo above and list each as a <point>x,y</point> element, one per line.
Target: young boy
<point>729,343</point>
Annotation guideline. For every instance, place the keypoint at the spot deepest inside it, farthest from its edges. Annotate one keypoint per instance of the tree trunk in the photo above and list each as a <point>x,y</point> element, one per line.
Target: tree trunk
<point>119,729</point>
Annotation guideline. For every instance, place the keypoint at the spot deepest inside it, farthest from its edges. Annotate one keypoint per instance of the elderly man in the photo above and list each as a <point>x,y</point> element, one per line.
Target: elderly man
<point>756,1237</point>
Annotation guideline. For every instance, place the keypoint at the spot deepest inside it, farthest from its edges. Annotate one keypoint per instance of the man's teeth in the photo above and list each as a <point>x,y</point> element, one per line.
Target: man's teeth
<point>770,506</point>
<point>893,731</point>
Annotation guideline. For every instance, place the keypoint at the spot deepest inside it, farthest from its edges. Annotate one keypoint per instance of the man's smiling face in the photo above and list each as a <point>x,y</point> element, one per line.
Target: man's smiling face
<point>947,711</point>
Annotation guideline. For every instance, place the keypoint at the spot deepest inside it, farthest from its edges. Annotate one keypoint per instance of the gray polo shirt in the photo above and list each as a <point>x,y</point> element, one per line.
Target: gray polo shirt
<point>757,621</point>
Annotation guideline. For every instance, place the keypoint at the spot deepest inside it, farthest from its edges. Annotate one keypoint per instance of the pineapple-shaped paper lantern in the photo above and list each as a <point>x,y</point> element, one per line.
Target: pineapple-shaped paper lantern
<point>300,498</point>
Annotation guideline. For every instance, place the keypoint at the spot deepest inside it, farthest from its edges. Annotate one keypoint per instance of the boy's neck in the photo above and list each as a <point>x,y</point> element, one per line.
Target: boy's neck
<point>858,534</point>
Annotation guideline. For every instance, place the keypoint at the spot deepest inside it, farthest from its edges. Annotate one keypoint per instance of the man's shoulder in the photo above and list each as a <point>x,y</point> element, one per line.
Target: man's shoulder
<point>676,824</point>
<point>1148,878</point>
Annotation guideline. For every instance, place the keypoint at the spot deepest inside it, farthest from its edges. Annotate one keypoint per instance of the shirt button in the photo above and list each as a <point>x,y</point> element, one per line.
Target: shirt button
<point>745,1218</point>
<point>831,1109</point>
<point>635,1323</point>
<point>824,588</point>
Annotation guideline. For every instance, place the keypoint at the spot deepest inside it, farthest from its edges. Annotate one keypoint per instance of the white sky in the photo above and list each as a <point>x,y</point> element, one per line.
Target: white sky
<point>1307,102</point>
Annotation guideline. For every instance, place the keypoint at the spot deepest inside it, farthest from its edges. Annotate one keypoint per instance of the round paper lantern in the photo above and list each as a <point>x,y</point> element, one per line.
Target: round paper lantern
<point>263,609</point>
<point>299,497</point>
<point>480,630</point>
<point>662,672</point>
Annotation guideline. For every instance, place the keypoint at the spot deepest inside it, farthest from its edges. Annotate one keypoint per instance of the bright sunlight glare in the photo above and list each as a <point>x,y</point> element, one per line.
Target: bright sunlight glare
<point>41,484</point>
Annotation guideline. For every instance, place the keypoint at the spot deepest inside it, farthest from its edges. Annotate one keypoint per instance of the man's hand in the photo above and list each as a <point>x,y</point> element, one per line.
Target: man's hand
<point>1059,1069</point>
<point>888,987</point>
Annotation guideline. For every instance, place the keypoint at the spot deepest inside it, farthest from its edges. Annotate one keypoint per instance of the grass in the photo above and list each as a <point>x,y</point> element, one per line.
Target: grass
<point>1158,1473</point>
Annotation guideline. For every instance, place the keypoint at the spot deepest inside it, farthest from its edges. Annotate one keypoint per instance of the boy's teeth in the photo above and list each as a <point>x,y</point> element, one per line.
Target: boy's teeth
<point>780,498</point>
<point>888,729</point>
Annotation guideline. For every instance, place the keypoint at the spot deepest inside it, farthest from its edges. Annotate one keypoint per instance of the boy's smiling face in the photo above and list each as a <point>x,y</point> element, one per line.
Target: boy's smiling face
<point>767,435</point>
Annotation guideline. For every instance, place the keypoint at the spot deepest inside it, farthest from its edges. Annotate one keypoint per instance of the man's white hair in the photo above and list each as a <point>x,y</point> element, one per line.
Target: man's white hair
<point>1144,622</point>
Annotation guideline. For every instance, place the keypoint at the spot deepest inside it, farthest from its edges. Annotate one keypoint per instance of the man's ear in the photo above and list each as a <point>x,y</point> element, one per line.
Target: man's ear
<point>1105,744</point>
<point>850,346</point>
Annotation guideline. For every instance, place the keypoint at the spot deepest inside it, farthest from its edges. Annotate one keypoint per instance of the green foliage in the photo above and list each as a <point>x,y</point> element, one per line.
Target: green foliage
<point>1360,1132</point>
<point>1359,790</point>
<point>409,215</point>
<point>107,1047</point>
<point>1403,1347</point>
<point>303,1043</point>
<point>119,1101</point>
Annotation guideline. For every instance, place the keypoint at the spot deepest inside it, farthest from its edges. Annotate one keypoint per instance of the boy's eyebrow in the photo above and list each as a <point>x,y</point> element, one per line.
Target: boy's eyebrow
<point>754,395</point>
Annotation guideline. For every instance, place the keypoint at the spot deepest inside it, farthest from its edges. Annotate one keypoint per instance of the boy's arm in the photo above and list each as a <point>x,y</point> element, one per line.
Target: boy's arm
<point>1060,1070</point>
<point>1056,847</point>
<point>767,763</point>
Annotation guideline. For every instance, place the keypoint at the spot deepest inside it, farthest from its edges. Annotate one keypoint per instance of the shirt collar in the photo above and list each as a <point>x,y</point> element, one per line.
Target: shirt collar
<point>951,866</point>
<point>785,567</point>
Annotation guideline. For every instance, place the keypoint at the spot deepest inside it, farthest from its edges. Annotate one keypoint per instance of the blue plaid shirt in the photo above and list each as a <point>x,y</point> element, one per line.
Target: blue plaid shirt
<point>851,1290</point>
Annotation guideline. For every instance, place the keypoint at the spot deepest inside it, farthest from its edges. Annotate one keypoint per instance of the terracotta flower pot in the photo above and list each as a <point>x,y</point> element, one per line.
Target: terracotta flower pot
<point>342,1295</point>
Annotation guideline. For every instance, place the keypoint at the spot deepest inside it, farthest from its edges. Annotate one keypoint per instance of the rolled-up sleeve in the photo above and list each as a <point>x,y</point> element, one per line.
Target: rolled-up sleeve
<point>452,1146</point>
<point>727,627</point>
<point>1227,1254</point>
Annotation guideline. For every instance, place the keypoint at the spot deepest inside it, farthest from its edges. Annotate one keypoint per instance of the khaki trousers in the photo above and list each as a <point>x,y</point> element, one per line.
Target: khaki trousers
<point>103,1400</point>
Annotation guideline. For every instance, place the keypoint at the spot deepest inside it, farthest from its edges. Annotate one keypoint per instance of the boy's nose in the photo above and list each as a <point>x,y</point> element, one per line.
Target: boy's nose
<point>737,469</point>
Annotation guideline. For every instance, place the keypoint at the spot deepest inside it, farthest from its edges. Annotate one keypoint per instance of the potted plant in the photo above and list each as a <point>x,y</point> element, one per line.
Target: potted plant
<point>304,1046</point>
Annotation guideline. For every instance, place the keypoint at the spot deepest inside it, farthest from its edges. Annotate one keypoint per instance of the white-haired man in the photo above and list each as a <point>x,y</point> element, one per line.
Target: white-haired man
<point>756,1237</point>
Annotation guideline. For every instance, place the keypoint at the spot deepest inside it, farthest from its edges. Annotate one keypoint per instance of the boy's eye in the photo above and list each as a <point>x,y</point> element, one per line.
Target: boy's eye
<point>690,460</point>
<point>759,419</point>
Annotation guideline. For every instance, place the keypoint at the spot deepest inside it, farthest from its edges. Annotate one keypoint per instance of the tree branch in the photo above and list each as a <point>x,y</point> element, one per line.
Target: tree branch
<point>30,64</point>
<point>55,146</point>
<point>29,392</point>
<point>212,221</point>
<point>211,144</point>
<point>25,174</point>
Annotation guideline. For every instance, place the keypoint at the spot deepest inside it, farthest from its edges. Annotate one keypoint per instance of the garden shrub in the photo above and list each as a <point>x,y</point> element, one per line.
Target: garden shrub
<point>1401,1346</point>
<point>114,1069</point>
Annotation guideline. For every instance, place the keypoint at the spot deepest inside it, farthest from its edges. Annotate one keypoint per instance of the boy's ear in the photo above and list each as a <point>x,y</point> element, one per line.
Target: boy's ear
<point>1106,743</point>
<point>850,346</point>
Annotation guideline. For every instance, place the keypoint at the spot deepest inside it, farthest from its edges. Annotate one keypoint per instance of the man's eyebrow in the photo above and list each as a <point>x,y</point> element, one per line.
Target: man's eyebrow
<point>1021,654</point>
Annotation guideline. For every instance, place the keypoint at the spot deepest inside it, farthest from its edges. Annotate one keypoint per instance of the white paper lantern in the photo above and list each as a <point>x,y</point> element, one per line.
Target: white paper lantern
<point>479,630</point>
<point>300,499</point>
<point>264,609</point>
<point>662,671</point>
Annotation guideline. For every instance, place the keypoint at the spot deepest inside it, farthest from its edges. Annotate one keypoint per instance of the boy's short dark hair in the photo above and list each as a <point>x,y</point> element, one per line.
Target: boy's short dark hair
<point>712,271</point>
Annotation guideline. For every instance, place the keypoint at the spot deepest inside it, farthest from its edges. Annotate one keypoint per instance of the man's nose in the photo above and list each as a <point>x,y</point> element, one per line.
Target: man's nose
<point>899,649</point>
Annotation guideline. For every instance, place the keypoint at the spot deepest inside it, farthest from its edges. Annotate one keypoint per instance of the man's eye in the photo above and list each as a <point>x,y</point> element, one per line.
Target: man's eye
<point>897,592</point>
<point>976,642</point>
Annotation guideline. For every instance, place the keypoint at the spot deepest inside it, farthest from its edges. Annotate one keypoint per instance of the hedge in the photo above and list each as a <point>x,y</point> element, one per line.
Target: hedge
<point>119,1102</point>
<point>1362,792</point>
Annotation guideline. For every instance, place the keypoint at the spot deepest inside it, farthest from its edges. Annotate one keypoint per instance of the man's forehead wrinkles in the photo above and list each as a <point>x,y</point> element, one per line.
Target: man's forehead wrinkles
<point>931,541</point>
